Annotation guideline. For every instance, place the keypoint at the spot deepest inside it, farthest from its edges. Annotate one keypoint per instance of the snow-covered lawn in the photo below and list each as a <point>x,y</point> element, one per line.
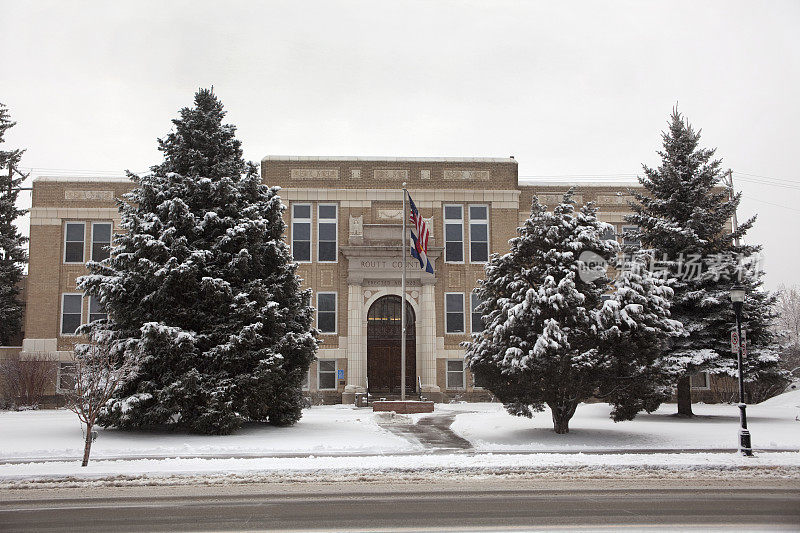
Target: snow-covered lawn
<point>419,467</point>
<point>335,441</point>
<point>56,434</point>
<point>773,425</point>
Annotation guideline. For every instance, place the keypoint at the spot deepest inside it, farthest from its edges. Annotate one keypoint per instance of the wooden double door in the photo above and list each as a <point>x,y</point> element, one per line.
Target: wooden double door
<point>384,349</point>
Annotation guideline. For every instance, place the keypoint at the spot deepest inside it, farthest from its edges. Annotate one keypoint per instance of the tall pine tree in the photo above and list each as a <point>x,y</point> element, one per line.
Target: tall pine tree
<point>549,338</point>
<point>684,221</point>
<point>201,290</point>
<point>12,244</point>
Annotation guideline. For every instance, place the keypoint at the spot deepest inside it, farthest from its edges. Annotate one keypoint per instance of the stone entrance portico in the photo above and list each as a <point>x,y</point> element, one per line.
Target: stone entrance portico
<point>374,271</point>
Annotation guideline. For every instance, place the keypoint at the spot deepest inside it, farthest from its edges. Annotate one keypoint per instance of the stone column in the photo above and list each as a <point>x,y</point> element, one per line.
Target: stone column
<point>427,338</point>
<point>356,358</point>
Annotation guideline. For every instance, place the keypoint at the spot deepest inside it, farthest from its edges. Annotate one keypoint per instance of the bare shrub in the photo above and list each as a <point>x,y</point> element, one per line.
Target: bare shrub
<point>26,381</point>
<point>98,373</point>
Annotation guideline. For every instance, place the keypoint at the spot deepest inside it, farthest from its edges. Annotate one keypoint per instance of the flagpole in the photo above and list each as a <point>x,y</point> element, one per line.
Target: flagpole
<point>403,308</point>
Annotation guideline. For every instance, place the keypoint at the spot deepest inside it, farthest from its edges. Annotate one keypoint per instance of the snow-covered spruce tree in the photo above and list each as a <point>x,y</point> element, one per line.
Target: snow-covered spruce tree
<point>548,339</point>
<point>201,291</point>
<point>635,327</point>
<point>684,221</point>
<point>12,251</point>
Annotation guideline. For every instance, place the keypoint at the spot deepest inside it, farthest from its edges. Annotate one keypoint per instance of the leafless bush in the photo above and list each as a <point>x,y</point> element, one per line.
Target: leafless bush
<point>98,373</point>
<point>25,382</point>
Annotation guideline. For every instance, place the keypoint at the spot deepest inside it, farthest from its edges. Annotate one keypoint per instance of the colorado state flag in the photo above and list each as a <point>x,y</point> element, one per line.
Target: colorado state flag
<point>419,250</point>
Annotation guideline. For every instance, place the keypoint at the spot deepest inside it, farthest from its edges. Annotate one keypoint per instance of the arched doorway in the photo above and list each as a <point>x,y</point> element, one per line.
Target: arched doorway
<point>383,346</point>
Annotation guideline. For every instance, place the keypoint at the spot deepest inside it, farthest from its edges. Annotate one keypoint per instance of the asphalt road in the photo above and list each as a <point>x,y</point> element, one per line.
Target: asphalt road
<point>477,505</point>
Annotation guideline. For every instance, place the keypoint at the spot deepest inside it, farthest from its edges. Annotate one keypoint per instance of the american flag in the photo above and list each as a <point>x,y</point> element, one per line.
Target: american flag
<point>419,249</point>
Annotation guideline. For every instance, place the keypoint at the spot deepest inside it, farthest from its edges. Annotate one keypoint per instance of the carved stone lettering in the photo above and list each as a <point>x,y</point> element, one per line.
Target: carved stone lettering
<point>71,194</point>
<point>390,174</point>
<point>315,174</point>
<point>467,175</point>
<point>614,199</point>
<point>390,214</point>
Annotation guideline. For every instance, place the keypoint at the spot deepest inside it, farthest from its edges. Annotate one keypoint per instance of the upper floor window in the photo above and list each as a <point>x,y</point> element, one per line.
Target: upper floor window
<point>478,233</point>
<point>454,312</point>
<point>101,240</point>
<point>454,233</point>
<point>71,313</point>
<point>477,320</point>
<point>73,242</point>
<point>326,312</point>
<point>301,232</point>
<point>609,233</point>
<point>97,311</point>
<point>326,233</point>
<point>628,239</point>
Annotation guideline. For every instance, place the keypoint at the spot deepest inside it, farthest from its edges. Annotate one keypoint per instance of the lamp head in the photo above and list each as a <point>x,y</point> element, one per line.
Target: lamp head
<point>737,294</point>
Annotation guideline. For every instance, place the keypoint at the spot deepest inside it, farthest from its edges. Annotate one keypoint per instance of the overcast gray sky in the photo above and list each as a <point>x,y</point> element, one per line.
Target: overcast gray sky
<point>569,88</point>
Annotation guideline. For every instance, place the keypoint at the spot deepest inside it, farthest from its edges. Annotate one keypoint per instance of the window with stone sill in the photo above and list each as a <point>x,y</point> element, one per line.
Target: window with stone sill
<point>454,233</point>
<point>101,240</point>
<point>74,234</point>
<point>327,229</point>
<point>326,312</point>
<point>477,319</point>
<point>65,381</point>
<point>454,312</point>
<point>326,374</point>
<point>455,374</point>
<point>97,311</point>
<point>301,233</point>
<point>71,312</point>
<point>478,233</point>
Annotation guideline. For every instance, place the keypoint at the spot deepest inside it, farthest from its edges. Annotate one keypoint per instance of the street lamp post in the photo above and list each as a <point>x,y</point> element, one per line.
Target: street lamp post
<point>737,297</point>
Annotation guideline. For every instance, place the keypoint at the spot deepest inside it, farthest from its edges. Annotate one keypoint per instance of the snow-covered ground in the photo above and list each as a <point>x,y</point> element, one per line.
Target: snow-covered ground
<point>420,466</point>
<point>773,425</point>
<point>336,441</point>
<point>56,434</point>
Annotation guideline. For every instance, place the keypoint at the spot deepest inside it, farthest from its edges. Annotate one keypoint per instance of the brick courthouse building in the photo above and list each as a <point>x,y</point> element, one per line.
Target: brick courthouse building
<point>344,219</point>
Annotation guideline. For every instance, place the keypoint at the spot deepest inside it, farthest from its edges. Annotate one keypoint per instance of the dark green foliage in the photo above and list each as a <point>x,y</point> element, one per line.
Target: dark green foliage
<point>684,220</point>
<point>12,252</point>
<point>201,290</point>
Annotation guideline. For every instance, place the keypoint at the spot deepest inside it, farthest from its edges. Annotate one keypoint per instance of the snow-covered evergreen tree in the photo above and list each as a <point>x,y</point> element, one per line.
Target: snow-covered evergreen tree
<point>549,339</point>
<point>684,221</point>
<point>636,326</point>
<point>201,291</point>
<point>12,245</point>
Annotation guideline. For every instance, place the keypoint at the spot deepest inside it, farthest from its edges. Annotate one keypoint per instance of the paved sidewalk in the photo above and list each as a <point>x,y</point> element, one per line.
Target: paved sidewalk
<point>433,432</point>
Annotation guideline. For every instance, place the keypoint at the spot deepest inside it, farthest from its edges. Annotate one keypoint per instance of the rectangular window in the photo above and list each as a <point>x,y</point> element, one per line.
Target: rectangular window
<point>97,311</point>
<point>326,312</point>
<point>609,233</point>
<point>326,233</point>
<point>700,380</point>
<point>478,382</point>
<point>73,242</point>
<point>455,374</point>
<point>326,374</point>
<point>101,240</point>
<point>301,232</point>
<point>477,321</point>
<point>454,233</point>
<point>628,239</point>
<point>304,385</point>
<point>71,313</point>
<point>454,311</point>
<point>478,233</point>
<point>66,377</point>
